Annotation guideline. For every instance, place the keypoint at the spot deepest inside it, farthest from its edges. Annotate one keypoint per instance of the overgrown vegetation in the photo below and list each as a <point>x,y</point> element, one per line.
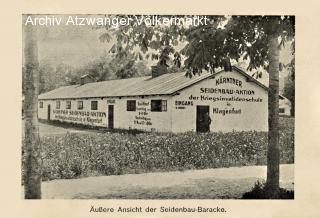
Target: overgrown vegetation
<point>114,153</point>
<point>259,192</point>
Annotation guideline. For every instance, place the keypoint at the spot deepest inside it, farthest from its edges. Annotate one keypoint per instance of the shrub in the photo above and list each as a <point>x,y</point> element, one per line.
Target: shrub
<point>259,192</point>
<point>84,154</point>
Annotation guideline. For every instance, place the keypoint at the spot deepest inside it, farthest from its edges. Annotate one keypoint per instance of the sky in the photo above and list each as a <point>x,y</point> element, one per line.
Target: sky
<point>71,45</point>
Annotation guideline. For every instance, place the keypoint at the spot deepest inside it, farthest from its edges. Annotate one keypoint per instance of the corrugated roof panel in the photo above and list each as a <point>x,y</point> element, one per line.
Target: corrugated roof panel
<point>161,85</point>
<point>164,84</point>
<point>156,85</point>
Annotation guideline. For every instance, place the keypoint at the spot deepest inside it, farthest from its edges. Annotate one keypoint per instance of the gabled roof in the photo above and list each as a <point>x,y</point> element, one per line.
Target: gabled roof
<point>86,75</point>
<point>165,84</point>
<point>281,97</point>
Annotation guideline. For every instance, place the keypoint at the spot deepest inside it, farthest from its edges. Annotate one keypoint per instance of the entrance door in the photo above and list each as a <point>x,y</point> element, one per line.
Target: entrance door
<point>49,111</point>
<point>110,116</point>
<point>203,124</point>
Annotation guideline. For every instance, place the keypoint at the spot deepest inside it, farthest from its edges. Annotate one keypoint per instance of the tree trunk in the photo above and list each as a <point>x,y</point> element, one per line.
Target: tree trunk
<point>32,164</point>
<point>273,153</point>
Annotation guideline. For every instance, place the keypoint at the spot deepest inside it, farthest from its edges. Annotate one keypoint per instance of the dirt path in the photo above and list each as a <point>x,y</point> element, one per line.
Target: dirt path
<point>206,184</point>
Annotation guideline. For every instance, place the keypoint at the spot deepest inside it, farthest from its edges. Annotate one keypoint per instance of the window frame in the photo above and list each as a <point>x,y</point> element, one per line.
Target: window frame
<point>68,105</point>
<point>164,105</point>
<point>58,104</point>
<point>96,106</point>
<point>78,105</point>
<point>132,106</point>
<point>41,104</point>
<point>159,106</point>
<point>282,110</point>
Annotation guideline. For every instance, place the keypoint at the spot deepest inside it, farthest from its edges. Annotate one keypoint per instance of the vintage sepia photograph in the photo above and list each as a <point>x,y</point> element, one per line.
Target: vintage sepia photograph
<point>120,106</point>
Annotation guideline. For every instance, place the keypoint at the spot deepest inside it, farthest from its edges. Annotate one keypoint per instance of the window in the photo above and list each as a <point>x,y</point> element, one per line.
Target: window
<point>68,104</point>
<point>158,105</point>
<point>131,105</point>
<point>80,105</point>
<point>281,110</point>
<point>41,104</point>
<point>57,104</point>
<point>164,105</point>
<point>94,105</point>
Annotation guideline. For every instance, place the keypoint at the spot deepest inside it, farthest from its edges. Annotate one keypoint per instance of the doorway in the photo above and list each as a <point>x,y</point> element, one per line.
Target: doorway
<point>202,124</point>
<point>49,111</point>
<point>110,116</point>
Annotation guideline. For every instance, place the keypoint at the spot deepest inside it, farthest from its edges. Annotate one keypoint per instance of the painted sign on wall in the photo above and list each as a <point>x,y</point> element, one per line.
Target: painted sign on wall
<point>79,116</point>
<point>227,94</point>
<point>142,117</point>
<point>233,102</point>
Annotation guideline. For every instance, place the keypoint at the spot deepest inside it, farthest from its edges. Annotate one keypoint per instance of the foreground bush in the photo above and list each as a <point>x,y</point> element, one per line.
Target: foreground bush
<point>85,154</point>
<point>259,192</point>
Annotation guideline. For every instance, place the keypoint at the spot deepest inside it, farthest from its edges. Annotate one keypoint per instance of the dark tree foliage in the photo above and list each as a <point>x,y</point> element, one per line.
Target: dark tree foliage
<point>103,68</point>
